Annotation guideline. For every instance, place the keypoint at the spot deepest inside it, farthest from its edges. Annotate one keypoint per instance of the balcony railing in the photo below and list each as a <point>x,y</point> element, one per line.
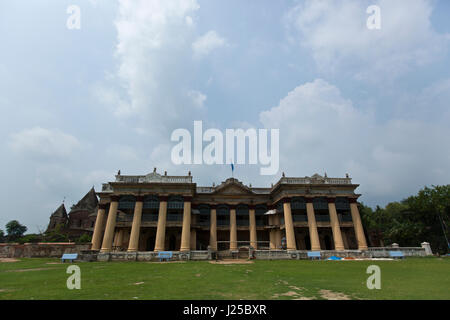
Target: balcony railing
<point>202,223</point>
<point>322,217</point>
<point>174,217</point>
<point>125,218</point>
<point>345,218</point>
<point>223,223</point>
<point>299,218</point>
<point>149,217</point>
<point>242,222</point>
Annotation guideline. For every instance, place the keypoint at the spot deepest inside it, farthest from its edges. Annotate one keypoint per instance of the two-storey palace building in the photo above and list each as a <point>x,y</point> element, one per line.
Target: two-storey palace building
<point>159,212</point>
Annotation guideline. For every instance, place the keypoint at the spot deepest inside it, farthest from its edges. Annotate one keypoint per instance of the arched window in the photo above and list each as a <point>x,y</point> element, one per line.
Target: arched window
<point>127,202</point>
<point>151,202</point>
<point>298,203</point>
<point>320,203</point>
<point>175,202</point>
<point>342,203</point>
<point>242,215</point>
<point>223,215</point>
<point>204,216</point>
<point>260,218</point>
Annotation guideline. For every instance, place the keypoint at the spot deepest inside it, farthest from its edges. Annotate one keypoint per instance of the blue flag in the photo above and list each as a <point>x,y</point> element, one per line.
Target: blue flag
<point>232,167</point>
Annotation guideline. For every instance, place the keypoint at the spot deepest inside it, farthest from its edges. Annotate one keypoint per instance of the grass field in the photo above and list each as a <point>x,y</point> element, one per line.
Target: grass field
<point>413,278</point>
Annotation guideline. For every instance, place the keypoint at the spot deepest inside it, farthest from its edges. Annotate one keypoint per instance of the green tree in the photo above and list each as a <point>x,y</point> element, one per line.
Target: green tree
<point>56,235</point>
<point>30,238</point>
<point>423,217</point>
<point>2,236</point>
<point>84,238</point>
<point>15,230</point>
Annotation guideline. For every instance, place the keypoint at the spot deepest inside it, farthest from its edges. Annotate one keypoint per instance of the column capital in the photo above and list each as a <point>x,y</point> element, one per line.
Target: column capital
<point>352,200</point>
<point>232,206</point>
<point>251,206</point>
<point>114,198</point>
<point>187,198</point>
<point>213,206</point>
<point>286,200</point>
<point>163,198</point>
<point>102,206</point>
<point>139,198</point>
<point>331,199</point>
<point>309,199</point>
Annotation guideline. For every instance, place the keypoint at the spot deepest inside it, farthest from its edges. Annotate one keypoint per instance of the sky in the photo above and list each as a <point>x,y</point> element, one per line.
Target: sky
<point>77,105</point>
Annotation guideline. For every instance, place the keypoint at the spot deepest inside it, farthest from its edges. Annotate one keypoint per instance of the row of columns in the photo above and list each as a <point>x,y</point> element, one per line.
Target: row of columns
<point>312,225</point>
<point>186,236</point>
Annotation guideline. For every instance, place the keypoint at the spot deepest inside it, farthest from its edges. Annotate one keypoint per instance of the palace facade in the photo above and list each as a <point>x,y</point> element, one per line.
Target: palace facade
<point>157,212</point>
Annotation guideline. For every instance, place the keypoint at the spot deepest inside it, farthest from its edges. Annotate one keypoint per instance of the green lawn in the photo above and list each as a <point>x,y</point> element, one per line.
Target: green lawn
<point>413,278</point>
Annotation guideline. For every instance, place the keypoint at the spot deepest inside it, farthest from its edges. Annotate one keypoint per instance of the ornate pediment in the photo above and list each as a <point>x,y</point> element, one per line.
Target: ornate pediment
<point>232,186</point>
<point>317,178</point>
<point>152,177</point>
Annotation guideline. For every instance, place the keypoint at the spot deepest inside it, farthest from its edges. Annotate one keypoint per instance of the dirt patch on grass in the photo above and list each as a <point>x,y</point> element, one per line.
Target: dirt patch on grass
<point>166,262</point>
<point>25,270</point>
<point>296,292</point>
<point>234,261</point>
<point>293,294</point>
<point>8,260</point>
<point>330,295</point>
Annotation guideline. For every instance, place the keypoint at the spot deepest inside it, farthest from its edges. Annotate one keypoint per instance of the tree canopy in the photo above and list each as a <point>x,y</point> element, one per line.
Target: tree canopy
<point>419,218</point>
<point>15,230</point>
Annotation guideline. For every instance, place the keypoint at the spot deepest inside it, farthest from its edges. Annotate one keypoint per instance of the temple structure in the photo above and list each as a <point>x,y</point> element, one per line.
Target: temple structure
<point>157,212</point>
<point>81,218</point>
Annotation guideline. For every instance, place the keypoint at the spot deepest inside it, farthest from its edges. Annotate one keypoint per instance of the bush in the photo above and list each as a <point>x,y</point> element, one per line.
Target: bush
<point>30,238</point>
<point>85,238</point>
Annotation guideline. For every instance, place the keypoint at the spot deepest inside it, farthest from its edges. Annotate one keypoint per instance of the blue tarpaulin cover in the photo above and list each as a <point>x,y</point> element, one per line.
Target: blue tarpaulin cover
<point>334,258</point>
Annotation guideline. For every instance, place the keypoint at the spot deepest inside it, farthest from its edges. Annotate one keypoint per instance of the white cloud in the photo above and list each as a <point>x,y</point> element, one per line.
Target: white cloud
<point>336,33</point>
<point>197,97</point>
<point>41,142</point>
<point>153,51</point>
<point>205,44</point>
<point>321,131</point>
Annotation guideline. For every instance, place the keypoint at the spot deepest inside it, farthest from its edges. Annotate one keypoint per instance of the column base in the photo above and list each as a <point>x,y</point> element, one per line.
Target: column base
<point>185,249</point>
<point>363,248</point>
